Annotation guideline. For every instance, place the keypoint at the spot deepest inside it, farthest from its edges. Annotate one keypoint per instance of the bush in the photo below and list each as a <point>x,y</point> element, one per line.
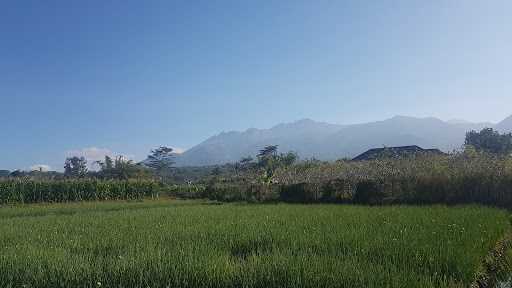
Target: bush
<point>369,192</point>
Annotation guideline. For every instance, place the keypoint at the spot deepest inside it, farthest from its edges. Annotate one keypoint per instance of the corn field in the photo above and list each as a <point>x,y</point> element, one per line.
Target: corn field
<point>34,191</point>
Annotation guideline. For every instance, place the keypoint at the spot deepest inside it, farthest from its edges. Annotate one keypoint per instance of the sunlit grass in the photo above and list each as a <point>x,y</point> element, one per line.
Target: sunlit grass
<point>194,244</point>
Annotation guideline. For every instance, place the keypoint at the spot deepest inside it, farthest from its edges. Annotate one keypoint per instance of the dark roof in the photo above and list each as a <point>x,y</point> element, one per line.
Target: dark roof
<point>395,152</point>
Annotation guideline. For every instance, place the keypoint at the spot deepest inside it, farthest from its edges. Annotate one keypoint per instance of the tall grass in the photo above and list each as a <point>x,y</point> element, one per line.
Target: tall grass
<point>160,244</point>
<point>454,179</point>
<point>34,191</point>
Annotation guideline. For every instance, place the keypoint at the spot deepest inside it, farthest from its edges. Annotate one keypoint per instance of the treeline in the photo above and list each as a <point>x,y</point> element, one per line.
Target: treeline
<point>158,164</point>
<point>117,178</point>
<point>37,191</point>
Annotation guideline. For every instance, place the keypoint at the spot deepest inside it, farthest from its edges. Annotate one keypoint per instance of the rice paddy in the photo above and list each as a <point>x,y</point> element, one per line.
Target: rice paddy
<point>169,243</point>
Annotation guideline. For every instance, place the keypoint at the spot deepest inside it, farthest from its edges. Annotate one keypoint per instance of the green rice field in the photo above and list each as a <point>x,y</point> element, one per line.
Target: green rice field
<point>170,243</point>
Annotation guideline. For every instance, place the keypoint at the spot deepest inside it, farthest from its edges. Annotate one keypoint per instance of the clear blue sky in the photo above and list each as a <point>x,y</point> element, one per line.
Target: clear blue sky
<point>131,75</point>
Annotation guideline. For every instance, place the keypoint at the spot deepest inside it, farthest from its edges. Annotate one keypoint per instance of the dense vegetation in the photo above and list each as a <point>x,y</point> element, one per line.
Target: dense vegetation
<point>468,177</point>
<point>482,173</point>
<point>34,191</point>
<point>490,141</point>
<point>190,244</point>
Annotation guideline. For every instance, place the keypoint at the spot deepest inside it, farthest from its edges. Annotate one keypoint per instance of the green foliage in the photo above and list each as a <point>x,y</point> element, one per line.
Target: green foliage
<point>267,152</point>
<point>186,191</point>
<point>497,265</point>
<point>35,175</point>
<point>269,161</point>
<point>230,192</point>
<point>288,159</point>
<point>458,178</point>
<point>121,168</point>
<point>75,167</point>
<point>34,191</point>
<point>199,174</point>
<point>301,193</point>
<point>369,192</point>
<point>190,244</point>
<point>426,179</point>
<point>160,160</point>
<point>490,141</point>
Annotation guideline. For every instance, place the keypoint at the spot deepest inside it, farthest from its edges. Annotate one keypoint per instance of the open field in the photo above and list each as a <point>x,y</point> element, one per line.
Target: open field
<point>195,244</point>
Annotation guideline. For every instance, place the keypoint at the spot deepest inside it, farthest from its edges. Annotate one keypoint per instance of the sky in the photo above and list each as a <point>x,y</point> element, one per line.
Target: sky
<point>122,77</point>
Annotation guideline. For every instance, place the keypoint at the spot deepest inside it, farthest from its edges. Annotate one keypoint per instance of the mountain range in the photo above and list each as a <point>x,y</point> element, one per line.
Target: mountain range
<point>324,141</point>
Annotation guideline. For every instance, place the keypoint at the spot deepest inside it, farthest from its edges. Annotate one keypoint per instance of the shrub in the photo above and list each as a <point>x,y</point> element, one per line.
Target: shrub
<point>369,192</point>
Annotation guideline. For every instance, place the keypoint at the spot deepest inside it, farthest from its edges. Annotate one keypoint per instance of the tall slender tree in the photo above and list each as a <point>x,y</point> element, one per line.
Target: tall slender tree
<point>161,160</point>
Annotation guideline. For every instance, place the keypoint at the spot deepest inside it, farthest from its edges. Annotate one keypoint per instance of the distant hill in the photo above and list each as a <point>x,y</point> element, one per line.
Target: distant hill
<point>326,141</point>
<point>505,125</point>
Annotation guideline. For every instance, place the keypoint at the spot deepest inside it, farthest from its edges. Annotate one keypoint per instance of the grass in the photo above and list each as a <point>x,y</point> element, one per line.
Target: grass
<point>194,244</point>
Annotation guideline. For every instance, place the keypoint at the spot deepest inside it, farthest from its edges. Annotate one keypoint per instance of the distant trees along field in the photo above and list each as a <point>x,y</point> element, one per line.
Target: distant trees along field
<point>481,173</point>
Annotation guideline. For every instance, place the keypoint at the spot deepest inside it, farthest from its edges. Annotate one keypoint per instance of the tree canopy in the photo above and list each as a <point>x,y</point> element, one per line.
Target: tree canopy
<point>490,141</point>
<point>75,167</point>
<point>160,160</point>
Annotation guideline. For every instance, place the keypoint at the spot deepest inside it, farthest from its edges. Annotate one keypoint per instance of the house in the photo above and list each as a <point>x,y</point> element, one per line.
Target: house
<point>396,152</point>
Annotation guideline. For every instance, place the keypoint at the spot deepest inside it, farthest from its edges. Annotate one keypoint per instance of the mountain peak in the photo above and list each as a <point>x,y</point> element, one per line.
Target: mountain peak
<point>304,121</point>
<point>411,118</point>
<point>400,117</point>
<point>458,121</point>
<point>305,124</point>
<point>301,122</point>
<point>508,119</point>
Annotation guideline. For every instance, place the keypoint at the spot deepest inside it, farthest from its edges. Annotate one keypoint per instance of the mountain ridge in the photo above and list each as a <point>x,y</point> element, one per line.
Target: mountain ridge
<point>505,125</point>
<point>326,141</point>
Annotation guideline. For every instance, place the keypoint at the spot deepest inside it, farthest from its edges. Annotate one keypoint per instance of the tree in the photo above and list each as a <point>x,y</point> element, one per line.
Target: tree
<point>216,171</point>
<point>109,164</point>
<point>268,151</point>
<point>75,167</point>
<point>245,161</point>
<point>106,167</point>
<point>490,141</point>
<point>160,160</point>
<point>120,168</point>
<point>268,160</point>
<point>288,159</point>
<point>123,168</point>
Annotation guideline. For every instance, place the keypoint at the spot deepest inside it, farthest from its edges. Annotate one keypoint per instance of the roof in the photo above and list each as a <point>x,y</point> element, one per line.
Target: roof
<point>394,152</point>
